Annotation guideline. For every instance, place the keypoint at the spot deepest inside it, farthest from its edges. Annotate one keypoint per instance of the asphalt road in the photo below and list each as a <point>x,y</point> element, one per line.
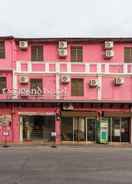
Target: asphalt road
<point>65,165</point>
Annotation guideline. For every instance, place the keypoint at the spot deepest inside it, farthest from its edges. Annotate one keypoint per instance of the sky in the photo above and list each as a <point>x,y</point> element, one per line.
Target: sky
<point>66,18</point>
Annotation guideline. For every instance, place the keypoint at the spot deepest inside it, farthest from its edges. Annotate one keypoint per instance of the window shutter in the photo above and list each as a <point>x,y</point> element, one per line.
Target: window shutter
<point>37,53</point>
<point>76,54</point>
<point>128,55</point>
<point>35,83</point>
<point>2,49</point>
<point>2,83</point>
<point>77,87</point>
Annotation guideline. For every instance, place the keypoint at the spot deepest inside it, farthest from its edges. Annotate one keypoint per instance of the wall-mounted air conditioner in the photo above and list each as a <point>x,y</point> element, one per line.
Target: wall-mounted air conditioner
<point>23,79</point>
<point>93,83</point>
<point>118,81</point>
<point>62,44</point>
<point>23,44</point>
<point>109,53</point>
<point>65,79</point>
<point>62,52</point>
<point>109,44</point>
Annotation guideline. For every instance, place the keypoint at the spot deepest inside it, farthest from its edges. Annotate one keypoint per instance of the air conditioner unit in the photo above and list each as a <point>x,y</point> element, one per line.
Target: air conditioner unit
<point>62,52</point>
<point>24,79</point>
<point>109,44</point>
<point>109,53</point>
<point>65,79</point>
<point>23,44</point>
<point>62,44</point>
<point>118,81</point>
<point>93,83</point>
<point>68,107</point>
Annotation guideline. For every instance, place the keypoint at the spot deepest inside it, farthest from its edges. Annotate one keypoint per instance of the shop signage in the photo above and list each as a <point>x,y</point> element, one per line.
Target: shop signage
<point>37,113</point>
<point>5,119</point>
<point>33,92</point>
<point>102,130</point>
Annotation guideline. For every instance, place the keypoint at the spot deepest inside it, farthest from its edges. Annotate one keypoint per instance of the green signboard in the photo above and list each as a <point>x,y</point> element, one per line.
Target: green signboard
<point>102,131</point>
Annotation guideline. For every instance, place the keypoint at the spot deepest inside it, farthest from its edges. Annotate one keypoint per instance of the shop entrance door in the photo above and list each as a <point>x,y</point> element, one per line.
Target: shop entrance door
<point>79,129</point>
<point>38,128</point>
<point>91,129</point>
<point>119,129</point>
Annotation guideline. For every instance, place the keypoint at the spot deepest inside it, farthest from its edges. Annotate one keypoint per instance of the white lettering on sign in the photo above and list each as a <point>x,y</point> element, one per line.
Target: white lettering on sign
<point>32,92</point>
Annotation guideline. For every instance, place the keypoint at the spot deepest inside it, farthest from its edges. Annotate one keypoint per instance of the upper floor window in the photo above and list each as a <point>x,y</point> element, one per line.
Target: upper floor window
<point>2,84</point>
<point>76,54</point>
<point>2,49</point>
<point>37,52</point>
<point>77,88</point>
<point>36,84</point>
<point>128,54</point>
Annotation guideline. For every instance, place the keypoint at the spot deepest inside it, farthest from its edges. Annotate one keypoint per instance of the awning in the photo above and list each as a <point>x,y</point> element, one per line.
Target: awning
<point>78,114</point>
<point>117,114</point>
<point>37,113</point>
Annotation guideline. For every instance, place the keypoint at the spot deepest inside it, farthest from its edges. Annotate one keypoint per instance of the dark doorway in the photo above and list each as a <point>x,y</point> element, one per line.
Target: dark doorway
<point>38,127</point>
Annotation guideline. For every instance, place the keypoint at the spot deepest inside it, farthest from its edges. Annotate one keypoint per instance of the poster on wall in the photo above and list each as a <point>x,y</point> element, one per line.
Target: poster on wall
<point>104,124</point>
<point>117,132</point>
<point>5,119</point>
<point>103,131</point>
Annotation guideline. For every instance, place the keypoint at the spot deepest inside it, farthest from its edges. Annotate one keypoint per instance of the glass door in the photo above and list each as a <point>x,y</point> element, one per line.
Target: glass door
<point>125,130</point>
<point>120,129</point>
<point>38,128</point>
<point>91,129</point>
<point>79,129</point>
<point>67,129</point>
<point>116,126</point>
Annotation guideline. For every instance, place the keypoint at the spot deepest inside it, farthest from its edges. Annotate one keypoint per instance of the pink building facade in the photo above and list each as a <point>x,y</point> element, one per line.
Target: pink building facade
<point>65,88</point>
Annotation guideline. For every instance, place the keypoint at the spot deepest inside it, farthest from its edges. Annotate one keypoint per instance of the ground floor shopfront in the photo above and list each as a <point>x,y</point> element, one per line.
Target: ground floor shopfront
<point>83,129</point>
<point>45,123</point>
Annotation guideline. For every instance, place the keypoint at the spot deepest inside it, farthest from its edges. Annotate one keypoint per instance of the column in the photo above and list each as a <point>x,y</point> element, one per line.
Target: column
<point>21,128</point>
<point>15,128</point>
<point>58,130</point>
<point>131,130</point>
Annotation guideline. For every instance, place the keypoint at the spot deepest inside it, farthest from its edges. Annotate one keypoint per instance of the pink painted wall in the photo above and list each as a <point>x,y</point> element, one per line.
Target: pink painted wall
<point>8,76</point>
<point>6,63</point>
<point>6,111</point>
<point>48,83</point>
<point>112,92</point>
<point>92,52</point>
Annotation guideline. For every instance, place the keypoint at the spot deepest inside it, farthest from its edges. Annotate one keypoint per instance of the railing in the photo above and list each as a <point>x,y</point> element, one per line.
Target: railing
<point>73,68</point>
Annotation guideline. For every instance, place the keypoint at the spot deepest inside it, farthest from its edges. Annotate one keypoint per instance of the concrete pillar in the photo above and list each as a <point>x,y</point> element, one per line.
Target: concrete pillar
<point>131,130</point>
<point>21,128</point>
<point>15,128</point>
<point>58,131</point>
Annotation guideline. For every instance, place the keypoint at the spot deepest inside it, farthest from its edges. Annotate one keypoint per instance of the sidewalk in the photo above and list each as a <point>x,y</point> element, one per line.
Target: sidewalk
<point>91,145</point>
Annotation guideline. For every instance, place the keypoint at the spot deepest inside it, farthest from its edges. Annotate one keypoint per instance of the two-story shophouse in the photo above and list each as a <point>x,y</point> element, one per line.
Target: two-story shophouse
<point>65,86</point>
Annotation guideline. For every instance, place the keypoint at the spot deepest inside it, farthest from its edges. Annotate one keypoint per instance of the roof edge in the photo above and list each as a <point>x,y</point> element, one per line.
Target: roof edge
<point>70,39</point>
